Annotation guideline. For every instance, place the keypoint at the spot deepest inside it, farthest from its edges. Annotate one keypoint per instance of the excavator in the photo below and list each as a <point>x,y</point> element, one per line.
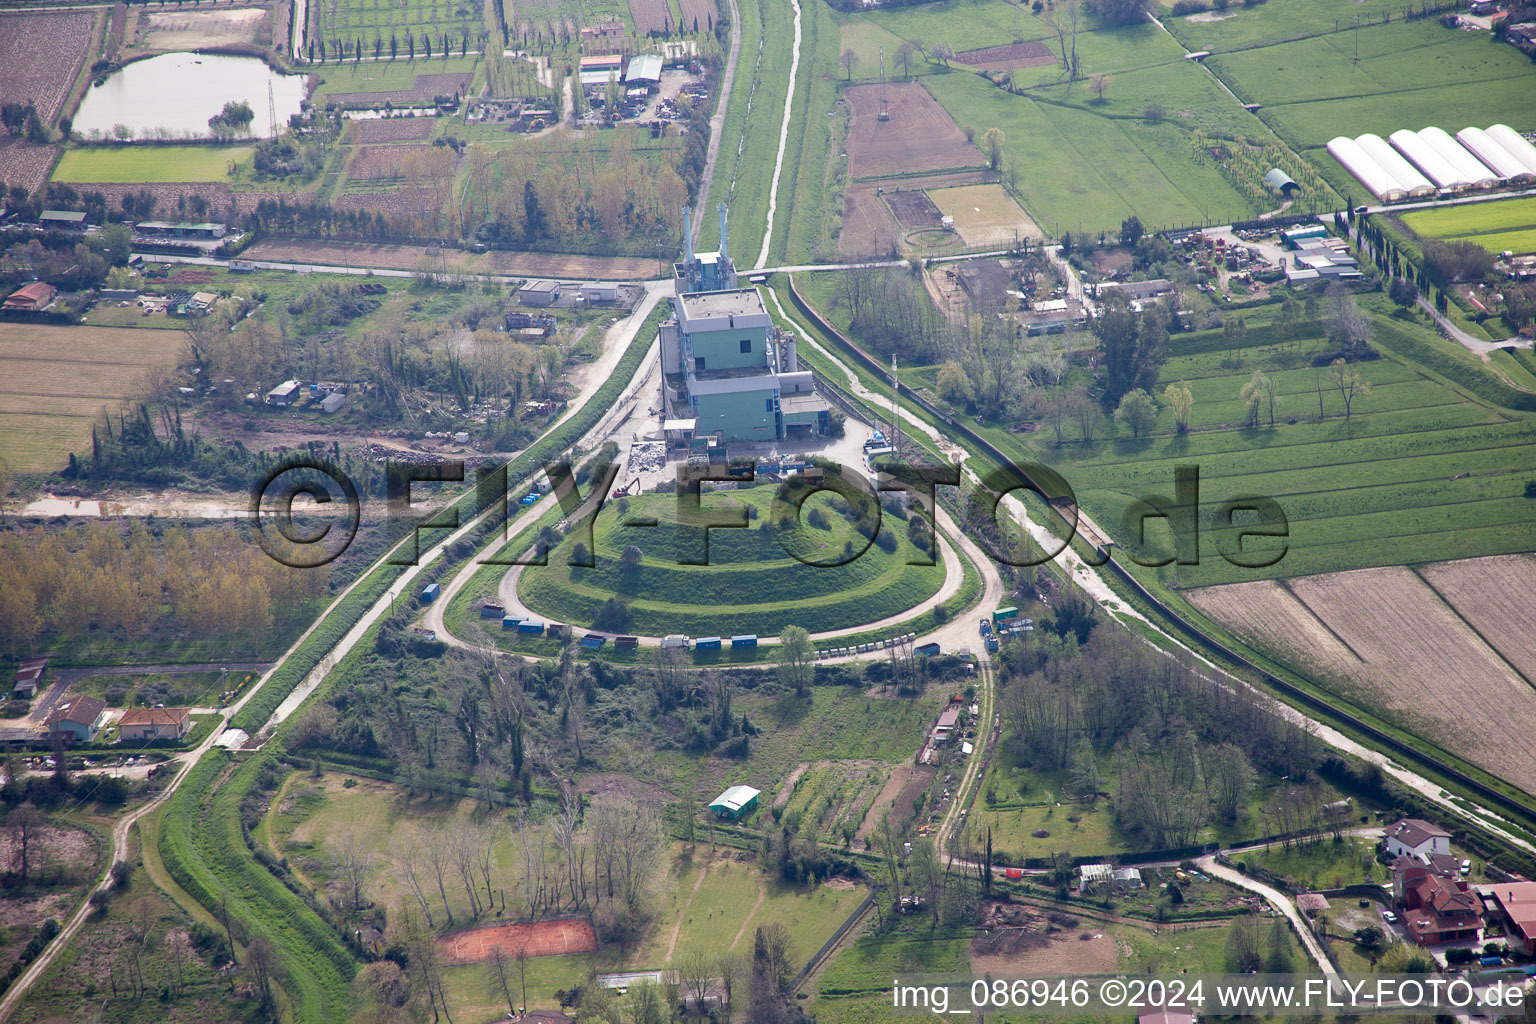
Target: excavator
<point>633,487</point>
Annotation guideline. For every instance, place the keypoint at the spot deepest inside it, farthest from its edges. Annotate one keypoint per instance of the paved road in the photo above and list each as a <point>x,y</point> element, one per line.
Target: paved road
<point>1280,902</point>
<point>717,122</point>
<point>1477,345</point>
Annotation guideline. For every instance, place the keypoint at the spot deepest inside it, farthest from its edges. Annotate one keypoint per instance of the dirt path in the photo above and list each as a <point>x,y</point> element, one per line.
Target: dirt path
<point>682,912</point>
<point>717,122</point>
<point>778,162</point>
<point>762,894</point>
<point>1279,902</point>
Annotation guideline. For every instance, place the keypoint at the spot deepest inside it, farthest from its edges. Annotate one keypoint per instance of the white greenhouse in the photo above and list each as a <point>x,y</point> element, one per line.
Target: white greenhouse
<point>1423,156</point>
<point>1468,166</point>
<point>1370,173</point>
<point>1391,161</point>
<point>1491,152</point>
<point>1513,141</point>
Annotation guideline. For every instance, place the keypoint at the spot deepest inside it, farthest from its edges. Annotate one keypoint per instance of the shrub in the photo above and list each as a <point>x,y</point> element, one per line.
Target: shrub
<point>122,874</point>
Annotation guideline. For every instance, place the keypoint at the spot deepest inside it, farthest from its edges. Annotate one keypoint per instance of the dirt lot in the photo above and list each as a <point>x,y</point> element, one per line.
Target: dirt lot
<point>920,135</point>
<point>41,55</point>
<point>409,257</point>
<point>1493,594</point>
<point>191,30</point>
<point>985,214</point>
<point>427,87</point>
<point>1029,940</point>
<point>868,229</point>
<point>913,209</point>
<point>55,380</point>
<point>1385,639</point>
<point>1034,54</point>
<point>544,938</point>
<point>392,129</point>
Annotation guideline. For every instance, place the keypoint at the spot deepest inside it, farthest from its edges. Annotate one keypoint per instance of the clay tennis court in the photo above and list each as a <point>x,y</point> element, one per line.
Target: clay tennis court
<point>543,938</point>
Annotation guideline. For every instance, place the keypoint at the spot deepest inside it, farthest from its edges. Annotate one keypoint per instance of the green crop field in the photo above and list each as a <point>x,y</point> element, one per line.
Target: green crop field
<point>1423,469</point>
<point>1472,218</point>
<point>149,163</point>
<point>1522,241</point>
<point>349,21</point>
<point>387,75</point>
<point>751,585</point>
<point>1082,166</point>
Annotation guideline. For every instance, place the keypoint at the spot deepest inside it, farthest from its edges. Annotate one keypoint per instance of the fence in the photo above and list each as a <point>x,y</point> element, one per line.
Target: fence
<point>826,947</point>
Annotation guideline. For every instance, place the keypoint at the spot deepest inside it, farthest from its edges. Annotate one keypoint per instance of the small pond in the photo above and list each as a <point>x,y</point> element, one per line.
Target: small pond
<point>172,96</point>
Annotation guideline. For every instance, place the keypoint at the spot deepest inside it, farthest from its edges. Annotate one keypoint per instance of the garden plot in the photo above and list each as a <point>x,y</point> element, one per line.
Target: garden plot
<point>867,225</point>
<point>1034,54</point>
<point>913,209</point>
<point>985,214</point>
<point>833,797</point>
<point>1413,657</point>
<point>373,131</point>
<point>919,136</point>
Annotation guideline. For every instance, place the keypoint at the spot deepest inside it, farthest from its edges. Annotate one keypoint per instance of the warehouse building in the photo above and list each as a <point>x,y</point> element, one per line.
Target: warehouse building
<point>31,298</point>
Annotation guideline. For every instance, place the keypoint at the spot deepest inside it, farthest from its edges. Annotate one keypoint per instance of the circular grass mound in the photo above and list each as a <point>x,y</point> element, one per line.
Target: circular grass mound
<point>751,583</point>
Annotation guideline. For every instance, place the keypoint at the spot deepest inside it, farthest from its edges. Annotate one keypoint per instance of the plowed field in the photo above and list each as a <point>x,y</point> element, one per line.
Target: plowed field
<point>920,135</point>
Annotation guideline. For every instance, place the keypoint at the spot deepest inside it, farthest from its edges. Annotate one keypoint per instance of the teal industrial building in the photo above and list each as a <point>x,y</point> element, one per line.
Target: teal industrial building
<point>728,372</point>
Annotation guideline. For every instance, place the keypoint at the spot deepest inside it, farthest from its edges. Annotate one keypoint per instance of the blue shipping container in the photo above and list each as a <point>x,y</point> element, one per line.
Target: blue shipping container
<point>492,611</point>
<point>928,649</point>
<point>511,621</point>
<point>593,641</point>
<point>530,626</point>
<point>429,593</point>
<point>708,643</point>
<point>745,640</point>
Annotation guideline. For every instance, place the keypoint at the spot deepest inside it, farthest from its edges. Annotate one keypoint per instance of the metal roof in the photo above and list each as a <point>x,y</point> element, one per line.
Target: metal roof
<point>644,68</point>
<point>736,797</point>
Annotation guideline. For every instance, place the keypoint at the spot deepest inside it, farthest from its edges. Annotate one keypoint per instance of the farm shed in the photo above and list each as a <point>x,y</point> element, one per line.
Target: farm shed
<point>31,298</point>
<point>1403,172</point>
<point>600,292</point>
<point>602,62</point>
<point>1425,157</point>
<point>1492,152</point>
<point>1366,169</point>
<point>1468,166</point>
<point>179,229</point>
<point>735,803</point>
<point>1280,183</point>
<point>1516,143</point>
<point>1312,903</point>
<point>333,402</point>
<point>284,395</point>
<point>644,68</point>
<point>28,675</point>
<point>65,220</point>
<point>154,724</point>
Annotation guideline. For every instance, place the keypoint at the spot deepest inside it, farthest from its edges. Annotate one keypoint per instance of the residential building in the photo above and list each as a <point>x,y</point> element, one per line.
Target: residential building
<point>31,298</point>
<point>1417,838</point>
<point>78,720</point>
<point>1136,291</point>
<point>735,803</point>
<point>1436,909</point>
<point>148,724</point>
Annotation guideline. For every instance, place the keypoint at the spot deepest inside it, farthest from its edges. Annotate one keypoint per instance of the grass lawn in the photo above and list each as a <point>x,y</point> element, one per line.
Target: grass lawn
<point>714,903</point>
<point>1521,241</point>
<point>473,995</point>
<point>141,163</point>
<point>195,689</point>
<point>1323,864</point>
<point>385,76</point>
<point>667,596</point>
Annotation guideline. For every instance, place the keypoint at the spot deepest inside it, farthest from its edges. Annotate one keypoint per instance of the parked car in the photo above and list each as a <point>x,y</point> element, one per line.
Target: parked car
<point>1389,917</point>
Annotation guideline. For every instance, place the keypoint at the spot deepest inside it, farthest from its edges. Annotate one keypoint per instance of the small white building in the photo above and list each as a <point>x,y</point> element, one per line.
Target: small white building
<point>284,395</point>
<point>1417,838</point>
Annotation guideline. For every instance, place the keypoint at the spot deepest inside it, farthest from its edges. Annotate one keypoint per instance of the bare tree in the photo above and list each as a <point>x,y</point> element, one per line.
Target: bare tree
<point>261,964</point>
<point>696,971</point>
<point>408,869</point>
<point>847,62</point>
<point>352,860</point>
<point>498,977</point>
<point>731,969</point>
<point>462,847</point>
<point>25,825</point>
<point>437,849</point>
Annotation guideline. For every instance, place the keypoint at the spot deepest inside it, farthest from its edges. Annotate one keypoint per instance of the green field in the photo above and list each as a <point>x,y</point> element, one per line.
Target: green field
<point>751,585</point>
<point>139,163</point>
<point>1521,241</point>
<point>351,21</point>
<point>387,75</point>
<point>1472,218</point>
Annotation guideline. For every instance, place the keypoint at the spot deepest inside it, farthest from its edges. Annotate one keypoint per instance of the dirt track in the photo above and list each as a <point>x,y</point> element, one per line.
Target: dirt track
<point>410,257</point>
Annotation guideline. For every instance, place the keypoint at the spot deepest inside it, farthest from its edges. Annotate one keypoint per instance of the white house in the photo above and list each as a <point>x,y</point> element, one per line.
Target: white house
<point>1417,838</point>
